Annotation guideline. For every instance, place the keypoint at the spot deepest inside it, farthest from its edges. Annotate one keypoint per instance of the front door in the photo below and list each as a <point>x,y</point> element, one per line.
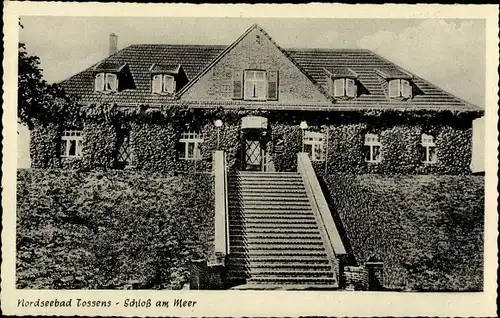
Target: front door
<point>254,152</point>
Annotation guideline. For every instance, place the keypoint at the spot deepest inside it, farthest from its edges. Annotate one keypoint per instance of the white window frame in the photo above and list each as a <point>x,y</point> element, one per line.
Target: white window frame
<point>403,94</point>
<point>188,138</point>
<point>348,84</point>
<point>428,143</point>
<point>67,138</point>
<point>337,90</point>
<point>108,80</point>
<point>394,91</point>
<point>254,81</point>
<point>399,90</point>
<point>372,141</point>
<point>315,140</point>
<point>163,88</point>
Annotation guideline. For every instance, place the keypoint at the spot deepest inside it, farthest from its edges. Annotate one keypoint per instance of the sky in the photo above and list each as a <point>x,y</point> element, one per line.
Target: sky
<point>448,53</point>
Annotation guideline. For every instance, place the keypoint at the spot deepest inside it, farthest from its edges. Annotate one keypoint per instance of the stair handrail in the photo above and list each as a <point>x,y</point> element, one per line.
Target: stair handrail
<point>311,182</point>
<point>221,237</point>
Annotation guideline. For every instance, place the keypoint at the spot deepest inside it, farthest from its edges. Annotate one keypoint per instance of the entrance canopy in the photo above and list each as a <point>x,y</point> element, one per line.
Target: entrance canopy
<point>254,122</point>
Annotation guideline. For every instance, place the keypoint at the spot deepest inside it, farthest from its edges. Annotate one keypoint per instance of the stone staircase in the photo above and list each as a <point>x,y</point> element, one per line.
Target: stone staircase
<point>275,238</point>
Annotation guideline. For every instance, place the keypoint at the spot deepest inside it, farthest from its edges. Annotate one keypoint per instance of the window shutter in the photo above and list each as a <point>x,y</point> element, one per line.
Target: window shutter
<point>99,82</point>
<point>156,83</point>
<point>350,87</point>
<point>406,89</point>
<point>272,85</point>
<point>237,85</point>
<point>338,87</point>
<point>394,88</point>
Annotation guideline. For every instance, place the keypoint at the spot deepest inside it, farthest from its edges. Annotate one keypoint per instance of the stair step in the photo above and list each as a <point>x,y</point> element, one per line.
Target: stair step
<point>279,253</point>
<point>264,183</point>
<point>271,211</point>
<point>269,206</point>
<point>271,202</point>
<point>295,280</point>
<point>274,231</point>
<point>264,177</point>
<point>264,222</point>
<point>240,241</point>
<point>276,191</point>
<point>266,173</point>
<point>265,216</point>
<point>295,266</point>
<point>251,236</point>
<point>286,199</point>
<point>269,273</point>
<point>261,226</point>
<point>272,260</point>
<point>283,248</point>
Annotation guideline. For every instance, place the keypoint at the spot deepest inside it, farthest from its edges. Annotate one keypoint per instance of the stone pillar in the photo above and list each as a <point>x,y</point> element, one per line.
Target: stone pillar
<point>375,271</point>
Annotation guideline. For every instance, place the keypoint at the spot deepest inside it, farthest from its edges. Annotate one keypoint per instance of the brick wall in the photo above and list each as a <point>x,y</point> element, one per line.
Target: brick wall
<point>255,51</point>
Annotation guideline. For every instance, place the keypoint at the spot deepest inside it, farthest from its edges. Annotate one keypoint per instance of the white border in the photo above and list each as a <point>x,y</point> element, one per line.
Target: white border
<point>252,303</point>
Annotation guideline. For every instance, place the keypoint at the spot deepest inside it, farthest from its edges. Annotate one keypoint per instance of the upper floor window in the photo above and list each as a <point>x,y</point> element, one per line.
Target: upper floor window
<point>106,82</point>
<point>71,143</point>
<point>189,146</point>
<point>400,88</point>
<point>256,85</point>
<point>314,144</point>
<point>163,83</point>
<point>428,149</point>
<point>372,148</point>
<point>344,87</point>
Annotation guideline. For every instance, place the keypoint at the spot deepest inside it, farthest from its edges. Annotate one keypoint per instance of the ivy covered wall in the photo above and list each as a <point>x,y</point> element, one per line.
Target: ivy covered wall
<point>154,136</point>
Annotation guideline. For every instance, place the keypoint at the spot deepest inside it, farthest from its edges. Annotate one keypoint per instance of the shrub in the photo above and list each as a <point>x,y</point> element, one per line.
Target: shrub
<point>428,230</point>
<point>98,230</point>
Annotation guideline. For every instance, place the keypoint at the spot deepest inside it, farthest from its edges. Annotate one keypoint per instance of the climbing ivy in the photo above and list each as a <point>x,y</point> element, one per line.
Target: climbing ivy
<point>154,132</point>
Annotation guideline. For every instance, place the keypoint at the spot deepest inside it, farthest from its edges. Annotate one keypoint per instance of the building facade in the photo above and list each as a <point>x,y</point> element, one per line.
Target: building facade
<point>166,108</point>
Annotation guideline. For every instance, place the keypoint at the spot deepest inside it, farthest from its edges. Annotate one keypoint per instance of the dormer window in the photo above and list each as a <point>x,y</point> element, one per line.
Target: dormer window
<point>344,87</point>
<point>400,88</point>
<point>399,83</point>
<point>106,82</point>
<point>112,77</point>
<point>167,78</point>
<point>164,83</point>
<point>342,82</point>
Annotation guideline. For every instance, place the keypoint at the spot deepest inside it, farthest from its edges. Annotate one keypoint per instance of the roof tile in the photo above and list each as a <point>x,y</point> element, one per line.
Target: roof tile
<point>313,62</point>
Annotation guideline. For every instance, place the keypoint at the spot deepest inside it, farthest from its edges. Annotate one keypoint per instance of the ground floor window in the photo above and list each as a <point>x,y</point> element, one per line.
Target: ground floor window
<point>428,154</point>
<point>314,144</point>
<point>372,148</point>
<point>125,154</point>
<point>189,146</point>
<point>71,144</point>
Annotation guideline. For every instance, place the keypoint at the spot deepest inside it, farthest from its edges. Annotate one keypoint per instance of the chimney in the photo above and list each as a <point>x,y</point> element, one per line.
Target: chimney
<point>113,43</point>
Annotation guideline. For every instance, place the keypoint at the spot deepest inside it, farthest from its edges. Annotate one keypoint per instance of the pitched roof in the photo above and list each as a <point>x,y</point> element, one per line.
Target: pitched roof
<point>196,59</point>
<point>165,68</point>
<point>340,71</point>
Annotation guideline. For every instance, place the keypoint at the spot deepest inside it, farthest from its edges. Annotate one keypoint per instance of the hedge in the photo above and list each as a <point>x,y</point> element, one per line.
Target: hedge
<point>154,134</point>
<point>428,230</point>
<point>110,230</point>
